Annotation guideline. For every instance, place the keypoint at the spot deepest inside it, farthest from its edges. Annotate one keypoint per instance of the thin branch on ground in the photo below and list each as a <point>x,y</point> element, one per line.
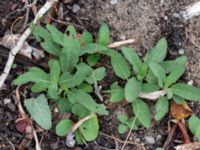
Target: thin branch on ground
<point>26,16</point>
<point>22,9</point>
<point>80,122</point>
<point>122,142</point>
<point>121,43</point>
<point>129,133</point>
<point>23,37</point>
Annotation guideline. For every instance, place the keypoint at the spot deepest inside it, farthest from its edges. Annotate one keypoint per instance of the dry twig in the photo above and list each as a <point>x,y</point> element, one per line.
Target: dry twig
<point>121,43</point>
<point>23,37</point>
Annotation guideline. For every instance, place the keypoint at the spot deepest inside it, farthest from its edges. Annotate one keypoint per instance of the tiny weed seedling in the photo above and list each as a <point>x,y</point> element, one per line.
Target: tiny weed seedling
<point>69,81</point>
<point>152,75</point>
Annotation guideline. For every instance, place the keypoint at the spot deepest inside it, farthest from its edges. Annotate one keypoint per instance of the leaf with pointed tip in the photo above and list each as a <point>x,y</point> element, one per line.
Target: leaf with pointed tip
<point>133,58</point>
<point>119,64</point>
<point>132,89</point>
<point>142,112</point>
<point>104,35</point>
<point>159,72</point>
<point>83,98</point>
<point>158,53</point>
<point>174,76</point>
<point>33,75</point>
<point>186,91</point>
<point>40,111</point>
<point>97,75</point>
<point>162,107</point>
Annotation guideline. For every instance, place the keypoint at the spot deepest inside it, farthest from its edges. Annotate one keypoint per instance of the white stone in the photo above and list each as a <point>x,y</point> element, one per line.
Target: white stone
<point>6,101</point>
<point>113,2</point>
<point>75,8</point>
<point>149,140</point>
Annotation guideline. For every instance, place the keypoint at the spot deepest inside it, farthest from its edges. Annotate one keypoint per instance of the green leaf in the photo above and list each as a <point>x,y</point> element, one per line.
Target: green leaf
<point>86,38</point>
<point>79,138</point>
<point>122,118</point>
<point>136,123</point>
<point>81,97</point>
<point>158,53</point>
<point>97,75</point>
<point>143,71</point>
<point>182,60</point>
<point>40,33</point>
<point>132,89</point>
<point>174,76</point>
<point>93,48</point>
<point>122,128</point>
<point>51,47</point>
<point>54,70</point>
<point>69,81</point>
<point>71,31</point>
<point>64,105</point>
<point>70,54</point>
<point>56,35</point>
<point>39,86</point>
<point>93,59</point>
<point>159,148</point>
<point>121,68</point>
<point>86,87</point>
<point>76,110</point>
<point>151,78</point>
<point>162,107</point>
<point>194,125</point>
<point>104,35</point>
<point>178,99</point>
<point>159,72</point>
<point>186,91</point>
<point>64,127</point>
<point>141,111</point>
<point>117,93</point>
<point>53,91</point>
<point>33,75</point>
<point>48,44</point>
<point>170,65</point>
<point>90,129</point>
<point>149,87</point>
<point>40,111</point>
<point>133,58</point>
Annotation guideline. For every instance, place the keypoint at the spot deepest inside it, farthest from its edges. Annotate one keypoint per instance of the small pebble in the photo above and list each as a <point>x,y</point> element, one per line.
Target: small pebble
<point>158,138</point>
<point>75,8</point>
<point>137,140</point>
<point>181,51</point>
<point>6,101</point>
<point>149,140</point>
<point>113,2</point>
<point>190,82</point>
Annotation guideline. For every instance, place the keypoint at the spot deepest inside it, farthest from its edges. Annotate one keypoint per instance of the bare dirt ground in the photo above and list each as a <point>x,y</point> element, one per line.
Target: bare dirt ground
<point>146,21</point>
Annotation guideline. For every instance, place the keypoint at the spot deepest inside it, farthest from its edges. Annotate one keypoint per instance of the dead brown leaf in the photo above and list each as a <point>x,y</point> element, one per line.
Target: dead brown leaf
<point>180,111</point>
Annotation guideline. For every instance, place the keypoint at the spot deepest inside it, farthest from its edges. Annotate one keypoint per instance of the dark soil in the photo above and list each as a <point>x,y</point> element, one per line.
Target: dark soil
<point>145,21</point>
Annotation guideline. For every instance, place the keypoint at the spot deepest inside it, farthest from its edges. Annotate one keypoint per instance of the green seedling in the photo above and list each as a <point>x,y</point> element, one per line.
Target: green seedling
<point>151,78</point>
<point>69,81</point>
<point>126,124</point>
